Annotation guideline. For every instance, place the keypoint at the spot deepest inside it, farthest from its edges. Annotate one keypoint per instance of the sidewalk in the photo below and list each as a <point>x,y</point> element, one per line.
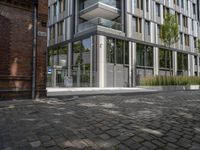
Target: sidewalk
<point>95,91</point>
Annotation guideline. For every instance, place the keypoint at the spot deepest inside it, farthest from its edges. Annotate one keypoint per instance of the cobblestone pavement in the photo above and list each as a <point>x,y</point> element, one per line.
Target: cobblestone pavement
<point>146,122</point>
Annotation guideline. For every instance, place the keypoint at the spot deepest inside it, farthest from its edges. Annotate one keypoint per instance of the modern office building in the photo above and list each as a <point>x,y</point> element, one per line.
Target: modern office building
<point>23,40</point>
<point>116,43</point>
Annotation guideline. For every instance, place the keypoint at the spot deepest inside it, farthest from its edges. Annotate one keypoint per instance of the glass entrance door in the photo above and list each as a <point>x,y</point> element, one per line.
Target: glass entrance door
<point>117,63</point>
<point>60,76</point>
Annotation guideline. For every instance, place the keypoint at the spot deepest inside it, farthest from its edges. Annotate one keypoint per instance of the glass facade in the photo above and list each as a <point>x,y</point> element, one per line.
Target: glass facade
<point>117,51</point>
<point>83,71</point>
<point>144,55</point>
<point>144,62</point>
<point>57,67</point>
<point>182,63</point>
<point>166,61</point>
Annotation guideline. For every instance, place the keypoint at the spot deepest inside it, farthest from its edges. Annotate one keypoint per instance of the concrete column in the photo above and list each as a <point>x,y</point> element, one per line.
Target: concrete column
<point>130,64</point>
<point>57,10</point>
<point>101,50</point>
<point>198,67</point>
<point>174,55</point>
<point>190,65</point>
<point>48,36</point>
<point>64,30</point>
<point>69,64</point>
<point>123,14</point>
<point>133,66</point>
<point>156,61</point>
<point>91,62</point>
<point>76,16</point>
<point>129,25</point>
<point>143,29</point>
<point>56,33</point>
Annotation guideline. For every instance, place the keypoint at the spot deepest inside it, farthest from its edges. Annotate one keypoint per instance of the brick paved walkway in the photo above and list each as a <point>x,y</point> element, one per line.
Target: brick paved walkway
<point>157,121</point>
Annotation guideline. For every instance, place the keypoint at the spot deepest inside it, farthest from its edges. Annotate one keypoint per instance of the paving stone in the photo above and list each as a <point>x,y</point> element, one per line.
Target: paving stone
<point>170,139</point>
<point>122,137</point>
<point>149,145</point>
<point>132,144</point>
<point>138,139</point>
<point>143,148</point>
<point>35,144</point>
<point>104,136</point>
<point>65,144</point>
<point>184,144</point>
<point>49,144</point>
<point>122,147</point>
<point>112,133</point>
<point>158,143</point>
<point>45,138</point>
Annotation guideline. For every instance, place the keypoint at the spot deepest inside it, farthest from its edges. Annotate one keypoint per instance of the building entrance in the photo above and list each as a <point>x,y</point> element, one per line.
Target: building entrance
<point>117,75</point>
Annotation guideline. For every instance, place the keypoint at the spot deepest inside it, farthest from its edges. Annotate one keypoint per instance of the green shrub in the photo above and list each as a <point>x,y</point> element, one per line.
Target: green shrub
<point>170,80</point>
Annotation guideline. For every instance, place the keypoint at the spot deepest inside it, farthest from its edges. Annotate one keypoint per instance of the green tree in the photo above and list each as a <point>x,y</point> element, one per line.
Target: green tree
<point>170,30</point>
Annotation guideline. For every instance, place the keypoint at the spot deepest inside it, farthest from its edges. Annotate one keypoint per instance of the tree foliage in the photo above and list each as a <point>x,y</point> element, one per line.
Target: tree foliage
<point>170,30</point>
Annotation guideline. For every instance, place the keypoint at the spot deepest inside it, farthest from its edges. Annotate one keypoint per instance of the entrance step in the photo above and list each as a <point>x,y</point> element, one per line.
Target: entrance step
<point>54,92</point>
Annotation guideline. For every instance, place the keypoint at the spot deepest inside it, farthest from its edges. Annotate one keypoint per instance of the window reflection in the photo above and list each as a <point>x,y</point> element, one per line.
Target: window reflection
<point>117,51</point>
<point>81,63</point>
<point>144,55</point>
<point>57,66</point>
<point>165,59</point>
<point>182,63</point>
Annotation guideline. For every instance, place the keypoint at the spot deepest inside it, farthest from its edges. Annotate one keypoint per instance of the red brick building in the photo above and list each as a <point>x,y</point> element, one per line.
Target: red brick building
<point>17,78</point>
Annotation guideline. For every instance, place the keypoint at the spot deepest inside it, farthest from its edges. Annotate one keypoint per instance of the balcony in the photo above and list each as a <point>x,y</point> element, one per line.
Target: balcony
<point>99,22</point>
<point>108,9</point>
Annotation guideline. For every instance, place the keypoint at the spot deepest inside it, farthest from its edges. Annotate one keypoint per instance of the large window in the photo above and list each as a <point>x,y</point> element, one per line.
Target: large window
<point>165,11</point>
<point>195,60</point>
<point>159,30</point>
<point>147,27</point>
<point>55,9</point>
<point>182,3</point>
<point>60,28</point>
<point>187,40</point>
<point>58,57</point>
<point>165,59</point>
<point>61,6</point>
<point>62,60</point>
<point>57,66</point>
<point>81,63</point>
<point>158,9</point>
<point>144,55</point>
<point>147,5</point>
<point>194,8</point>
<point>182,62</point>
<point>52,32</point>
<point>185,21</point>
<point>117,51</point>
<point>181,38</point>
<point>178,18</point>
<point>139,4</point>
<point>137,24</point>
<point>110,50</point>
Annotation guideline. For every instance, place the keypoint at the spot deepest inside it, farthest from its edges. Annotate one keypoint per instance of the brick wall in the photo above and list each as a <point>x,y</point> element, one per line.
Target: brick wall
<point>16,41</point>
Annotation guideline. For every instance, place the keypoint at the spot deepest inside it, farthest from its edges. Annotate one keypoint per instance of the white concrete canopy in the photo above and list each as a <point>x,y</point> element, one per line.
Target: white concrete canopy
<point>99,10</point>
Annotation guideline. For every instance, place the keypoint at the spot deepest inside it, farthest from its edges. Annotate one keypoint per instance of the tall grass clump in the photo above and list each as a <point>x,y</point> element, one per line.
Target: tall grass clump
<point>170,80</point>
